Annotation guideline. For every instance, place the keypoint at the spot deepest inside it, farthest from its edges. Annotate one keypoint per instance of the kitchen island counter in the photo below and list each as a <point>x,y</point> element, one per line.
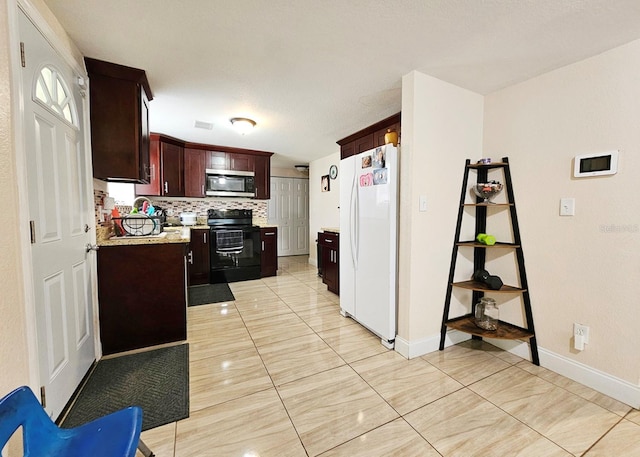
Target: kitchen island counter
<point>142,295</point>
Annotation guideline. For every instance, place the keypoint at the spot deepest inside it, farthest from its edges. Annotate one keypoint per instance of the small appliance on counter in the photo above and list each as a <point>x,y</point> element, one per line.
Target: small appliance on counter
<point>188,218</point>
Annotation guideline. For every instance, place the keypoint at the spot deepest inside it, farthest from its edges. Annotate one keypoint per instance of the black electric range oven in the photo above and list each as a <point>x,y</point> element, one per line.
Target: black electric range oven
<point>235,245</point>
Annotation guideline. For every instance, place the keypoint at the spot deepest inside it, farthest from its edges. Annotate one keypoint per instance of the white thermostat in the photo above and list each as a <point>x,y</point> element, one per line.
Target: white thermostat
<point>596,164</point>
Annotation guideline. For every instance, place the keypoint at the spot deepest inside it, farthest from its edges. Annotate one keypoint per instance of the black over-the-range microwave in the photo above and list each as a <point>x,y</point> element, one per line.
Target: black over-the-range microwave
<point>230,183</point>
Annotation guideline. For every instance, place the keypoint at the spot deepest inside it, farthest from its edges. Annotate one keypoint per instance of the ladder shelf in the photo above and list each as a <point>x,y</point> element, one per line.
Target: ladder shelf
<point>466,322</point>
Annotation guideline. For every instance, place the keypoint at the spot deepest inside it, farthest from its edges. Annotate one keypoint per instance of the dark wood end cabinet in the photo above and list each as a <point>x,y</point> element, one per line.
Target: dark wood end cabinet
<point>330,251</point>
<point>198,259</point>
<point>142,295</point>
<point>269,249</point>
<point>119,113</point>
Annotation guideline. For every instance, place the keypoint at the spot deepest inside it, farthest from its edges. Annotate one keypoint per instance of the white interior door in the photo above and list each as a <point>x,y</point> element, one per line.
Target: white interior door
<point>59,210</point>
<point>288,208</point>
<point>301,216</point>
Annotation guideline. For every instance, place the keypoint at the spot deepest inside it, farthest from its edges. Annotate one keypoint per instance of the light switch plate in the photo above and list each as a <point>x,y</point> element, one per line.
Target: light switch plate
<point>567,207</point>
<point>423,203</point>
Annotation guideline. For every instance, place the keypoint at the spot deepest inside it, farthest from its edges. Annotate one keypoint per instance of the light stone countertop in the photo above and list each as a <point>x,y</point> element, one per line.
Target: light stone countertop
<point>171,234</point>
<point>330,229</point>
<point>166,237</point>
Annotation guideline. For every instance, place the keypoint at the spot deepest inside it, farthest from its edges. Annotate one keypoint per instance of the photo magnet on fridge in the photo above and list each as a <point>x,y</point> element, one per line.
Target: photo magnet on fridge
<point>378,158</point>
<point>379,176</point>
<point>366,162</point>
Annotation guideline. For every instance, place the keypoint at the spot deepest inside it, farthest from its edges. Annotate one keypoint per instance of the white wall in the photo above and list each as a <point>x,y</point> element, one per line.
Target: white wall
<point>441,128</point>
<point>13,343</point>
<point>323,206</point>
<point>583,268</point>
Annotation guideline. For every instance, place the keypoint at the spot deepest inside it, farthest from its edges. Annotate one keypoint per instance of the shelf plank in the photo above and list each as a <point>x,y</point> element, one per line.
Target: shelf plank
<point>474,285</point>
<point>475,244</point>
<point>487,165</point>
<point>505,330</point>
<point>490,205</point>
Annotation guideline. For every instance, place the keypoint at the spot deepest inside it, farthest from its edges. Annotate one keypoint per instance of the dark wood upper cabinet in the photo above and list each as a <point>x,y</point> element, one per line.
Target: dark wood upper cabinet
<point>240,162</point>
<point>178,168</point>
<point>195,164</point>
<point>364,143</point>
<point>262,170</point>
<point>369,137</point>
<point>172,161</point>
<point>166,177</point>
<point>119,113</point>
<point>217,160</point>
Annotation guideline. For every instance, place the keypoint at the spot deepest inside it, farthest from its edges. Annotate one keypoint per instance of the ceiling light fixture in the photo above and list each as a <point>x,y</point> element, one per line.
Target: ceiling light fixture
<point>242,124</point>
<point>301,168</point>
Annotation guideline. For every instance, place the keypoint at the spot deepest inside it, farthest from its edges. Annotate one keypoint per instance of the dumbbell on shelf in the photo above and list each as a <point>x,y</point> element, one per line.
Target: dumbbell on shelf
<point>483,238</point>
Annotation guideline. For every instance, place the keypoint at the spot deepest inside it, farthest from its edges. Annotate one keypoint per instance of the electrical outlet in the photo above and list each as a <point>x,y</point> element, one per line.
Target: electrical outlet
<point>580,336</point>
<point>581,330</point>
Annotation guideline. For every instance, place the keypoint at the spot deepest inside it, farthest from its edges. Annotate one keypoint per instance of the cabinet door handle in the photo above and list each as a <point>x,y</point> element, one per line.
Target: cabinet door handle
<point>328,241</point>
<point>263,245</point>
<point>204,234</point>
<point>270,233</point>
<point>191,257</point>
<point>166,187</point>
<point>203,189</point>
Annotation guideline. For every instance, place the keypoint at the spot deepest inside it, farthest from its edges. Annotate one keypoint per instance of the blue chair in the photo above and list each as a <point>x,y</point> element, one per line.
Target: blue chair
<point>114,435</point>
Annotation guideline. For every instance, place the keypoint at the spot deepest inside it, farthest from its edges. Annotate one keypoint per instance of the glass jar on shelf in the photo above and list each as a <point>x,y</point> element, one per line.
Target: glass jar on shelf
<point>487,314</point>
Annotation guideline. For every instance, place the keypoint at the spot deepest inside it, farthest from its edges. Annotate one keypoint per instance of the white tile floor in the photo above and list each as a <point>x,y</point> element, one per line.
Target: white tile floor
<point>279,372</point>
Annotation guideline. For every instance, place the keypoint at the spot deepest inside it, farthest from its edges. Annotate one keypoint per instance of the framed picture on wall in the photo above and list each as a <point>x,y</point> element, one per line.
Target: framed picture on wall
<point>324,183</point>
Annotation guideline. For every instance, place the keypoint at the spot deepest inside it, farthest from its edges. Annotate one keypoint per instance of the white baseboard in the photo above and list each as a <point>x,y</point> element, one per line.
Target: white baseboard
<point>313,261</point>
<point>602,382</point>
<point>411,350</point>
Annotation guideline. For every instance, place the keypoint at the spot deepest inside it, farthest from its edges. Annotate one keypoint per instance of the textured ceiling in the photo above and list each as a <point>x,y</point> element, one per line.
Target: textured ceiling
<point>311,72</point>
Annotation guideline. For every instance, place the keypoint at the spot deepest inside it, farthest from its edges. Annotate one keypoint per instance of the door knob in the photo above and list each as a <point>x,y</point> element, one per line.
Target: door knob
<point>92,247</point>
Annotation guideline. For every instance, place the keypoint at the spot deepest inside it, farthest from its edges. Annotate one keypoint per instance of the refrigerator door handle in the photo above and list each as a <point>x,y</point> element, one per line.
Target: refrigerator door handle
<point>353,222</point>
<point>357,238</point>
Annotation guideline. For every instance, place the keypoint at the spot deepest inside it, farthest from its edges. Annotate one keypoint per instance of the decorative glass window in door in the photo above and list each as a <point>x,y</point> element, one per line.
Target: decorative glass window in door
<point>52,91</point>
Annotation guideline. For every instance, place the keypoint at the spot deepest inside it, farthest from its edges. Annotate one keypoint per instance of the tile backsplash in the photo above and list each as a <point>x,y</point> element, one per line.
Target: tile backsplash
<point>175,206</point>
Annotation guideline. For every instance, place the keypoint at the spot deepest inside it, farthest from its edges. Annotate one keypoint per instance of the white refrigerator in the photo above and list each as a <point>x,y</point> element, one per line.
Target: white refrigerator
<point>368,240</point>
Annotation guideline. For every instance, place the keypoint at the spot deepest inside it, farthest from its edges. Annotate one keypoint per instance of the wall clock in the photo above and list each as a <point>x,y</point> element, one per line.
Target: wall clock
<point>333,172</point>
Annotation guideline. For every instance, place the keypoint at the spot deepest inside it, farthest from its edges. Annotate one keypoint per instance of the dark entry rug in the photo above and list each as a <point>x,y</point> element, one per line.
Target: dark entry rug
<point>156,380</point>
<point>210,293</point>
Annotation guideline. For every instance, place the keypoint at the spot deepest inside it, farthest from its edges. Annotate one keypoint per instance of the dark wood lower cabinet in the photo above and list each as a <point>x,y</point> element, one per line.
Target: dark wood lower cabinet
<point>330,251</point>
<point>269,257</point>
<point>141,293</point>
<point>199,257</point>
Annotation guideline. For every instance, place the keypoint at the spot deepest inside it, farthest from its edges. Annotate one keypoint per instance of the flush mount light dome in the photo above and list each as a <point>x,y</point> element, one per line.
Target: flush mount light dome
<point>242,124</point>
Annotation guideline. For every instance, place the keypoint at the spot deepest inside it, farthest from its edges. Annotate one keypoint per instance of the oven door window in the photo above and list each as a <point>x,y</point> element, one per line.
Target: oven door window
<point>234,248</point>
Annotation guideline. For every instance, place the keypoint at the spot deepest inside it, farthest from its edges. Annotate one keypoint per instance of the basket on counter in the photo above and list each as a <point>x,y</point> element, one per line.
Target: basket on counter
<point>137,225</point>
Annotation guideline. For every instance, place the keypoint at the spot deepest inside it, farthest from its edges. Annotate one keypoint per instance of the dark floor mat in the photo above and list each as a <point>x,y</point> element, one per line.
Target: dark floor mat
<point>210,293</point>
<point>156,380</point>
